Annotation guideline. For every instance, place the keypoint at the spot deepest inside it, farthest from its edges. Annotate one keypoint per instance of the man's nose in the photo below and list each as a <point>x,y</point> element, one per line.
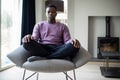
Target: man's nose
<point>50,13</point>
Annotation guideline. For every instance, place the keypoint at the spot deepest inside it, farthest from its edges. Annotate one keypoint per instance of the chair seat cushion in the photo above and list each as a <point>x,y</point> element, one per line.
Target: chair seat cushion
<point>51,65</point>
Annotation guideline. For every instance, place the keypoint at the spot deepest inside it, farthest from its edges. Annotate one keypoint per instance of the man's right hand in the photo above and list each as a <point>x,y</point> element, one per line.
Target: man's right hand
<point>27,38</point>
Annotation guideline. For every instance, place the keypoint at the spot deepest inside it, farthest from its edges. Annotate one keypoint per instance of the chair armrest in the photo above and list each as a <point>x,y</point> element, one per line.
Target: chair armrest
<point>82,57</point>
<point>19,56</point>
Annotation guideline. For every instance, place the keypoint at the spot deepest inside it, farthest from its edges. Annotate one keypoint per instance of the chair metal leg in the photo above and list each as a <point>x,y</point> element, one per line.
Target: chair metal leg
<point>24,74</point>
<point>37,76</point>
<point>28,76</point>
<point>74,74</point>
<point>67,76</point>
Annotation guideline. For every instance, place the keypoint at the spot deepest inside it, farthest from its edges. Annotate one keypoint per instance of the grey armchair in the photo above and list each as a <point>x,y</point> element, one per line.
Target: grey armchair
<point>20,55</point>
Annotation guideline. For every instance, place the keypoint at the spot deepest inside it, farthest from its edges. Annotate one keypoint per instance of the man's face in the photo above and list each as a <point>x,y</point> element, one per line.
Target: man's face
<point>51,12</point>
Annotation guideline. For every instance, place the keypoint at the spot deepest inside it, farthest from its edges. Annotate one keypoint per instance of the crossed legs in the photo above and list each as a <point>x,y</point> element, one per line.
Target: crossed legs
<point>51,51</point>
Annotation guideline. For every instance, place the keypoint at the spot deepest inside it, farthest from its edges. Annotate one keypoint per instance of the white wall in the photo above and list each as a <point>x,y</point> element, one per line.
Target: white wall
<point>97,28</point>
<point>0,33</point>
<point>71,17</point>
<point>85,8</point>
<point>39,10</point>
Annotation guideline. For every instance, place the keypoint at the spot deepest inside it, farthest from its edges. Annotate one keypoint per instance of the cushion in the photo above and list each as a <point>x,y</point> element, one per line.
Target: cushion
<point>51,65</point>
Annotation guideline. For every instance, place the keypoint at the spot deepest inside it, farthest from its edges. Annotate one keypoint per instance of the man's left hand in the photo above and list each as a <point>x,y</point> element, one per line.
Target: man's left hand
<point>76,43</point>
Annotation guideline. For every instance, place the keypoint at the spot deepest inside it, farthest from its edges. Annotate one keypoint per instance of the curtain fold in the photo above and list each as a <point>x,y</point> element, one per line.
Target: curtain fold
<point>28,17</point>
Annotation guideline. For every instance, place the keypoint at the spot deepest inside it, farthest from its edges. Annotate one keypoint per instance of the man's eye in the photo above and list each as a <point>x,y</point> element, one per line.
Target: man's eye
<point>50,12</point>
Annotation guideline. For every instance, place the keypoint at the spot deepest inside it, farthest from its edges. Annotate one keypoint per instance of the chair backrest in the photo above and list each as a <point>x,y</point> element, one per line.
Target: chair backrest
<point>82,57</point>
<point>19,56</point>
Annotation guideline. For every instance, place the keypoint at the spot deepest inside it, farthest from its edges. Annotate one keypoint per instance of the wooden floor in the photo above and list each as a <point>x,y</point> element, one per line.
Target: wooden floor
<point>90,71</point>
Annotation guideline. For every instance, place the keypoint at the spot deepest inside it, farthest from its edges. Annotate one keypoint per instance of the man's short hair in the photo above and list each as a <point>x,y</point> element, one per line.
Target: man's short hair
<point>51,5</point>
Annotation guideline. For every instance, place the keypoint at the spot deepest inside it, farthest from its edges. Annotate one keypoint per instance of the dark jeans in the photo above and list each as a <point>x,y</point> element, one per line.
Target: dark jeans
<point>51,51</point>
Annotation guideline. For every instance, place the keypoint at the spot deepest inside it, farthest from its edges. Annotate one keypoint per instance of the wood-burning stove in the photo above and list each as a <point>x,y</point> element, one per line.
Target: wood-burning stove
<point>107,43</point>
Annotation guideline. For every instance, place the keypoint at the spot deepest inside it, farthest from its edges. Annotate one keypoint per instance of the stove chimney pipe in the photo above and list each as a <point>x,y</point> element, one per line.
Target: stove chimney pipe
<point>107,18</point>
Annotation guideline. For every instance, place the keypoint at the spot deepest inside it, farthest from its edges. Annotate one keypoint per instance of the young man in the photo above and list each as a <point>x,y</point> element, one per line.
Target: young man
<point>50,39</point>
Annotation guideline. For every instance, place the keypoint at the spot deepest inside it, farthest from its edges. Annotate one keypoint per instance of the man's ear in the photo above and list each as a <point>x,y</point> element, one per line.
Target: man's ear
<point>56,14</point>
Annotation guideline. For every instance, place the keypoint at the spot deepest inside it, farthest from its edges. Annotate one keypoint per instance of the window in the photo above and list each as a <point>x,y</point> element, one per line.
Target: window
<point>62,16</point>
<point>10,28</point>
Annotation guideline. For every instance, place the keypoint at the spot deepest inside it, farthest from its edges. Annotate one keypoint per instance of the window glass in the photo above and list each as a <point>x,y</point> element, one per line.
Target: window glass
<point>62,16</point>
<point>10,28</point>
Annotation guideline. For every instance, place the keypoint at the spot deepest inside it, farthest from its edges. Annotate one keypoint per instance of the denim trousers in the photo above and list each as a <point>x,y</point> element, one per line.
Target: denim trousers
<point>50,51</point>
